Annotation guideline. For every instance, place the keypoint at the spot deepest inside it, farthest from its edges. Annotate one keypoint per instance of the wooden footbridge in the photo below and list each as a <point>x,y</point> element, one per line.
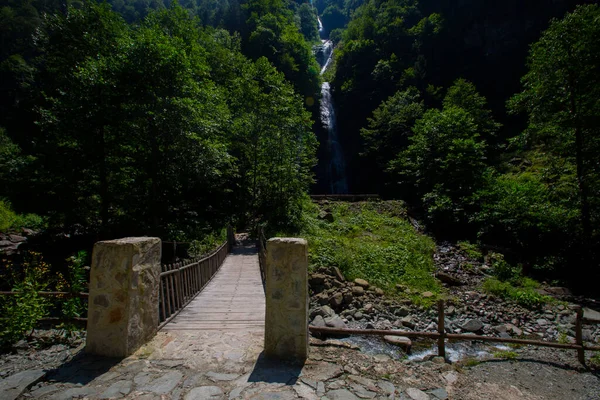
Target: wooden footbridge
<point>195,297</point>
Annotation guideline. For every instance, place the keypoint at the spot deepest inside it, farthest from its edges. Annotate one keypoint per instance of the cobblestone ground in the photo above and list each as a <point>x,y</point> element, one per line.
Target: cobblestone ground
<point>190,366</point>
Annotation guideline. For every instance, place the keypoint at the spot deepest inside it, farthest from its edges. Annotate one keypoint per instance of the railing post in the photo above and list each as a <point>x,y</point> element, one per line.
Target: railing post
<point>123,307</point>
<point>286,321</point>
<point>579,336</point>
<point>441,330</point>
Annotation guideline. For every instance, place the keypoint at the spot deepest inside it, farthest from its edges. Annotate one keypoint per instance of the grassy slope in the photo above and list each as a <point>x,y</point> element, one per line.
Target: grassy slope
<point>373,241</point>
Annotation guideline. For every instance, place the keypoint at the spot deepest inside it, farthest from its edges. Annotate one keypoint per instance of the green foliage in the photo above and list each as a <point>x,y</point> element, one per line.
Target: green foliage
<point>391,126</point>
<point>24,310</point>
<point>595,360</point>
<point>506,354</point>
<point>560,95</point>
<point>74,281</point>
<point>502,269</point>
<point>471,362</point>
<point>208,243</point>
<point>372,241</point>
<point>509,283</point>
<point>11,221</point>
<point>471,250</point>
<point>523,293</point>
<point>163,127</point>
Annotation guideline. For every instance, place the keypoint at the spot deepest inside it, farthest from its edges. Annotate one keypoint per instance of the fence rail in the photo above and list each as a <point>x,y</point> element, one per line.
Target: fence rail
<point>441,335</point>
<point>181,282</point>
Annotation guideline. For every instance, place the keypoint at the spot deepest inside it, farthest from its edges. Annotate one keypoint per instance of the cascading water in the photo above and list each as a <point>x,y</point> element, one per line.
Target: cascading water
<point>336,169</point>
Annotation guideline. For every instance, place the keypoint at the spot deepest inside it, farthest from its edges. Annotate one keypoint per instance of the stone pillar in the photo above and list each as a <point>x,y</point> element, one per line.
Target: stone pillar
<point>123,302</point>
<point>286,321</point>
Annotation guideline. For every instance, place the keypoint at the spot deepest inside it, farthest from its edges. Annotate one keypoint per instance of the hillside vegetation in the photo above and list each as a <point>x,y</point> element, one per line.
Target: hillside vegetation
<point>370,240</point>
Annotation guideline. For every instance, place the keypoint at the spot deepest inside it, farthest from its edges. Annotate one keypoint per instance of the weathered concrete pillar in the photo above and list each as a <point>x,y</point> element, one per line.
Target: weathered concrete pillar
<point>123,302</point>
<point>286,322</point>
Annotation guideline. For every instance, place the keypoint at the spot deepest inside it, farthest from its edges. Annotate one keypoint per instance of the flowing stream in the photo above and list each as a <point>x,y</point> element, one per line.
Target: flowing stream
<point>336,168</point>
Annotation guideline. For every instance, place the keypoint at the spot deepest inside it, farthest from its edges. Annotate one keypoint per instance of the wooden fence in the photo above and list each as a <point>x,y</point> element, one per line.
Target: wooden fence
<point>181,282</point>
<point>441,335</point>
<point>262,254</point>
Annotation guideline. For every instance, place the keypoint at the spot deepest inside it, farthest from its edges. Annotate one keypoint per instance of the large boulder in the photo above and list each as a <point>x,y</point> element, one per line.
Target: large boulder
<point>401,341</point>
<point>361,282</point>
<point>449,279</point>
<point>472,325</point>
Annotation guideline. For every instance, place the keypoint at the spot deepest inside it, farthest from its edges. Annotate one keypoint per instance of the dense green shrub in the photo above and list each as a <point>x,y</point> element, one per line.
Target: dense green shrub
<point>24,310</point>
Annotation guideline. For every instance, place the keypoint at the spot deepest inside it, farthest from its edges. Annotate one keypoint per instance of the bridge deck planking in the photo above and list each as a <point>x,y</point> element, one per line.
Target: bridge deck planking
<point>233,300</point>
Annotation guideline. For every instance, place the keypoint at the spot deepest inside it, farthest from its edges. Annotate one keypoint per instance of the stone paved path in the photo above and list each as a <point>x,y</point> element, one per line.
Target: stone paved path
<point>233,300</point>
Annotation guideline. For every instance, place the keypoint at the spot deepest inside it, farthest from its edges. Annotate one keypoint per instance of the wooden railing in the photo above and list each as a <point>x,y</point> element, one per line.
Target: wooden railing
<point>262,254</point>
<point>181,282</point>
<point>441,335</point>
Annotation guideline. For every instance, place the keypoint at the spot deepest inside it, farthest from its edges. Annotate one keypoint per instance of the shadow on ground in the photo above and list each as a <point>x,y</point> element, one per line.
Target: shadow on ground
<point>82,369</point>
<point>274,371</point>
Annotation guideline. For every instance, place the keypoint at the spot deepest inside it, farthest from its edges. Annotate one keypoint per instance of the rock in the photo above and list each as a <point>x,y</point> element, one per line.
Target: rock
<point>409,322</point>
<point>336,300</point>
<point>340,394</point>
<point>361,282</point>
<point>587,335</point>
<point>348,298</point>
<point>451,377</point>
<point>28,232</point>
<point>387,387</point>
<point>44,391</point>
<point>338,274</point>
<point>17,238</point>
<point>358,291</point>
<point>399,341</point>
<point>427,294</point>
<point>381,358</point>
<point>305,392</point>
<point>358,315</point>
<point>335,322</point>
<point>216,376</point>
<point>322,299</point>
<point>8,247</point>
<point>402,312</point>
<point>366,382</point>
<point>591,315</point>
<point>440,393</point>
<point>416,394</point>
<point>448,279</point>
<point>317,279</point>
<point>472,325</point>
<point>14,385</point>
<point>74,393</point>
<point>205,393</point>
<point>117,390</point>
<point>513,329</point>
<point>558,291</point>
<point>326,216</point>
<point>164,384</point>
<point>450,311</point>
<point>378,291</point>
<point>362,392</point>
<point>500,328</point>
<point>324,311</point>
<point>319,322</point>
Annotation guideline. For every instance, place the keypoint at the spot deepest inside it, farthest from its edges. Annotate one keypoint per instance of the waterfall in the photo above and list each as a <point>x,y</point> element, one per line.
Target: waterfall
<point>336,168</point>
